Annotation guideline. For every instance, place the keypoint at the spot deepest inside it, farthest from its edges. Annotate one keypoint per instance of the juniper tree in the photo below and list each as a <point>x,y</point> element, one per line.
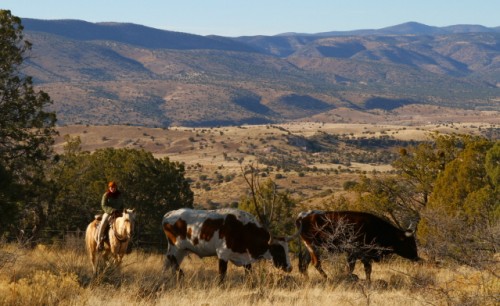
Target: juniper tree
<point>26,132</point>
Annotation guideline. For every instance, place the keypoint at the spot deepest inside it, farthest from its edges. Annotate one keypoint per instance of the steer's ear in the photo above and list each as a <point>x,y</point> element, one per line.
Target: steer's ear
<point>295,235</point>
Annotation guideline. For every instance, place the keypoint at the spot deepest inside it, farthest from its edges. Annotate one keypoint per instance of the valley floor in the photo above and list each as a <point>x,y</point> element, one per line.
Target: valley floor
<point>214,157</point>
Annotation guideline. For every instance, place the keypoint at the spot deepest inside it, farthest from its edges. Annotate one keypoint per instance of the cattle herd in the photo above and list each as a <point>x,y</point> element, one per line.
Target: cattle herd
<point>236,236</point>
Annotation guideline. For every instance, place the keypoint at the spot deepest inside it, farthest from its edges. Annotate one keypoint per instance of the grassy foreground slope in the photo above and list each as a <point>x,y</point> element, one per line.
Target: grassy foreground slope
<point>61,275</point>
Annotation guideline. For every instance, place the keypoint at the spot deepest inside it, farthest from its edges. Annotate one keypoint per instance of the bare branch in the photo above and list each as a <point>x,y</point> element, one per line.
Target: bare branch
<point>340,236</point>
<point>256,193</point>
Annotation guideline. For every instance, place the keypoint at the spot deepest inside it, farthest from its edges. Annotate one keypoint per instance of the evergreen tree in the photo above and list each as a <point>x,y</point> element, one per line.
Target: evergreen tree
<point>419,166</point>
<point>401,198</point>
<point>451,186</point>
<point>461,220</point>
<point>26,134</point>
<point>149,185</point>
<point>390,197</point>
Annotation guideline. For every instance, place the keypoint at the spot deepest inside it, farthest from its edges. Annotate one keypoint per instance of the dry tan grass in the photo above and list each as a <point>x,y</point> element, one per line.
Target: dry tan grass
<point>62,275</point>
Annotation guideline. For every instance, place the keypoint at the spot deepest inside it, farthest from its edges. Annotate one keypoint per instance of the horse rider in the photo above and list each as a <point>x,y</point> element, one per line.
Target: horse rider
<point>111,202</point>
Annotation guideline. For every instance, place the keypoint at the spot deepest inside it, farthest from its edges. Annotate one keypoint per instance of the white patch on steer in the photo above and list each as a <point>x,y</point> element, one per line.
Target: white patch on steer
<point>242,216</point>
<point>199,216</point>
<point>304,214</point>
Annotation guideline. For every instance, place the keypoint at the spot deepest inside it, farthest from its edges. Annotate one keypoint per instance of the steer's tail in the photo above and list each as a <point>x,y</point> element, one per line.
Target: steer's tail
<point>298,224</point>
<point>303,254</point>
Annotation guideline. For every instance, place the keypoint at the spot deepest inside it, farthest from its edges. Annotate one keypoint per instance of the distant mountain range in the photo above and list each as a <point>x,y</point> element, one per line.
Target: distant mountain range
<point>410,28</point>
<point>115,73</point>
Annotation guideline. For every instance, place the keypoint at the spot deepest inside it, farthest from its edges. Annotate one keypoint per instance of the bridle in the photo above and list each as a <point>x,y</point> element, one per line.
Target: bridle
<point>121,239</point>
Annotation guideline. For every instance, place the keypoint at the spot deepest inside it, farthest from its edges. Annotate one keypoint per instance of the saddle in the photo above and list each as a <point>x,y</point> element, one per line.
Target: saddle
<point>113,216</point>
<point>111,221</point>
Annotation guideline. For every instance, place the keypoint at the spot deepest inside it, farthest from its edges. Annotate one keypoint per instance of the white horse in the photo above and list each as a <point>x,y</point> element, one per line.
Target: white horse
<point>119,236</point>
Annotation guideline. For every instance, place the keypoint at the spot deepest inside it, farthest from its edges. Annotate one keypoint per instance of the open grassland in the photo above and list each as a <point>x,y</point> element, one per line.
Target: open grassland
<point>61,275</point>
<point>214,157</point>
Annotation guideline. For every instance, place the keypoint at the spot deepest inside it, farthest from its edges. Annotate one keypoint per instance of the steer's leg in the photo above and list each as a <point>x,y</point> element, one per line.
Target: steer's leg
<point>304,261</point>
<point>248,275</point>
<point>312,258</point>
<point>248,269</point>
<point>170,263</point>
<point>222,270</point>
<point>368,268</point>
<point>351,263</point>
<point>317,263</point>
<point>173,261</point>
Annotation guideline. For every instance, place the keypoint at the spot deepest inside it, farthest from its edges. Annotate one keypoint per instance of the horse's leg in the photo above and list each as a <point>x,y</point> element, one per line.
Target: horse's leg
<point>114,246</point>
<point>91,245</point>
<point>100,260</point>
<point>93,260</point>
<point>121,252</point>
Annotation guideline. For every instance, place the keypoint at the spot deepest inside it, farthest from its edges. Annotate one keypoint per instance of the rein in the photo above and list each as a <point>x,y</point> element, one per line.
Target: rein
<point>117,236</point>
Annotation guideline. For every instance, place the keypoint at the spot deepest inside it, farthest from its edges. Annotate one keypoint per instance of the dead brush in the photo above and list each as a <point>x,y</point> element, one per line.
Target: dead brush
<point>59,259</point>
<point>51,276</point>
<point>42,288</point>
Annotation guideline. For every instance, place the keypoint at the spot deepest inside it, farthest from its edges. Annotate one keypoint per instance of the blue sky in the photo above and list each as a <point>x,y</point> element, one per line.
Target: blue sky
<point>263,17</point>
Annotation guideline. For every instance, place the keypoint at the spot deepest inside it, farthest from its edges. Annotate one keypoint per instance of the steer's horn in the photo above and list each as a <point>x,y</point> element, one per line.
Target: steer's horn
<point>289,238</point>
<point>271,240</point>
<point>295,235</point>
<point>410,231</point>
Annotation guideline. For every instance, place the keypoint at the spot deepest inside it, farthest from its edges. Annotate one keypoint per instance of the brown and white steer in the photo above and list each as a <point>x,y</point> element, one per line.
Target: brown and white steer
<point>230,234</point>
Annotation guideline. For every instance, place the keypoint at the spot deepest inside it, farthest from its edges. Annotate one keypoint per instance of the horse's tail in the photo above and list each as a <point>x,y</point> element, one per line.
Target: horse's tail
<point>90,237</point>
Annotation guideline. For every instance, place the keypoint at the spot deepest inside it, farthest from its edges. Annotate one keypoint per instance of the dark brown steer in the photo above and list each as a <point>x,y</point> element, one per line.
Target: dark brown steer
<point>361,235</point>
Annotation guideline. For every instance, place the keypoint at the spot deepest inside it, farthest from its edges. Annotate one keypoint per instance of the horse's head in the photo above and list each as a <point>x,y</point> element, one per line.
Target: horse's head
<point>126,223</point>
<point>129,213</point>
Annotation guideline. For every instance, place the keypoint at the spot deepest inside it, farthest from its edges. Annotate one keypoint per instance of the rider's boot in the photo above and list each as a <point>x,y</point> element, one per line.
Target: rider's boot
<point>100,245</point>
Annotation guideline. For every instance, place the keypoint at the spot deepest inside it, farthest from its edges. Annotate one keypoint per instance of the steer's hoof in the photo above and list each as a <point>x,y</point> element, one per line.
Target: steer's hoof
<point>352,278</point>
